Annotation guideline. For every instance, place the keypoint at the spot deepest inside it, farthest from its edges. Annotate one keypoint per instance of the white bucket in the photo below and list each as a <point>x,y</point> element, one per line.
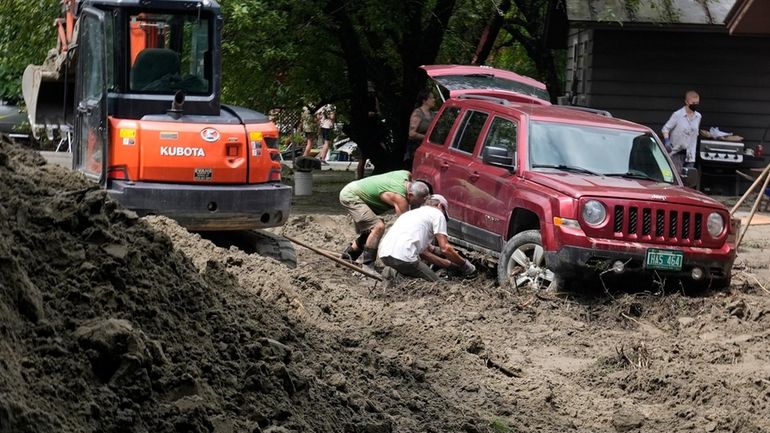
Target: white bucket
<point>303,183</point>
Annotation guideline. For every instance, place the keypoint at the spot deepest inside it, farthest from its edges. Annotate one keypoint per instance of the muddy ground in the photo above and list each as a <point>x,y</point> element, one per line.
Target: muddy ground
<point>111,323</point>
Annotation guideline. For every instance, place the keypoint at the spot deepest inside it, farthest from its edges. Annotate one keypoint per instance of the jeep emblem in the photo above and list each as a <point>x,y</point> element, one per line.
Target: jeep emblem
<point>659,197</point>
<point>210,134</point>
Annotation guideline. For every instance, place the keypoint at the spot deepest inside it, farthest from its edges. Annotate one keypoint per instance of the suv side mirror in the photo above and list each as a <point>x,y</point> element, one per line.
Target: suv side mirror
<point>690,176</point>
<point>497,156</point>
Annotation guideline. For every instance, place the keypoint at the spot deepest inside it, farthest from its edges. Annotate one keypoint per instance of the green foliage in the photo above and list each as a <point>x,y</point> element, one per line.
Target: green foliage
<point>26,34</point>
<point>464,30</point>
<point>524,50</point>
<point>499,425</point>
<point>277,54</point>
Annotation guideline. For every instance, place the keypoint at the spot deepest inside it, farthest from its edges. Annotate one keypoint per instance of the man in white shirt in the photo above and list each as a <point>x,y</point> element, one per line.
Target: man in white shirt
<point>680,133</point>
<point>410,240</point>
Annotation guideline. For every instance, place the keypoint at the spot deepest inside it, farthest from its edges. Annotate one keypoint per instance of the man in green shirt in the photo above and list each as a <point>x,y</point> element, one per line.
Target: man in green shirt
<point>371,196</point>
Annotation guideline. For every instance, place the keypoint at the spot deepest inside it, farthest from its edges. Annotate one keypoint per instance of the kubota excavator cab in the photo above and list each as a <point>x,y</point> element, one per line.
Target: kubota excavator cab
<point>144,78</point>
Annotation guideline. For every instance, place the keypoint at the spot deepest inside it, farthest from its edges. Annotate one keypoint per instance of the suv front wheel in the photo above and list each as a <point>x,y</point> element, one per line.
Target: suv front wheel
<point>522,264</point>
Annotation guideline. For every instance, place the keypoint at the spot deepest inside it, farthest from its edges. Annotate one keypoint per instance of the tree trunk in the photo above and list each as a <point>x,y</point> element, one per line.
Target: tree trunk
<point>489,34</point>
<point>419,46</point>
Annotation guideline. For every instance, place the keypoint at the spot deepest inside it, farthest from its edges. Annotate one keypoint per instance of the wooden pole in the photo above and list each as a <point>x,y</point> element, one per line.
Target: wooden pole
<point>336,259</point>
<point>756,204</point>
<point>750,190</point>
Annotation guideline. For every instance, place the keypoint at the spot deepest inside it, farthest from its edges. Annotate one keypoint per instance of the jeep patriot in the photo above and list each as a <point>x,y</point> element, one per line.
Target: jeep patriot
<point>556,193</point>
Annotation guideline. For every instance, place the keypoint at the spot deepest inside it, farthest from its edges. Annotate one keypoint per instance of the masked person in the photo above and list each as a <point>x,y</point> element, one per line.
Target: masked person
<point>680,133</point>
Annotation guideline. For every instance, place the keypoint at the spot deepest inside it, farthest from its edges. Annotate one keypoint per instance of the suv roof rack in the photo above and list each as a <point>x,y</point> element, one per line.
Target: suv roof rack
<point>500,101</point>
<point>604,113</point>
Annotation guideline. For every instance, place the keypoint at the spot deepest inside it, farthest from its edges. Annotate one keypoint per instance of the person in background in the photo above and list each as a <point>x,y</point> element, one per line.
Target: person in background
<point>326,116</point>
<point>680,133</point>
<point>419,123</point>
<point>309,129</point>
<point>409,242</point>
<point>367,198</point>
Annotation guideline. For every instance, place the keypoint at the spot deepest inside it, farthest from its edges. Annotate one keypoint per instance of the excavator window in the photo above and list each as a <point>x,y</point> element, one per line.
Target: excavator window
<point>168,53</point>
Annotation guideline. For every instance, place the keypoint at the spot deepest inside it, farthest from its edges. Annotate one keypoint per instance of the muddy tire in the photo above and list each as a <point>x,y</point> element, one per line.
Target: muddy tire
<point>275,246</point>
<point>256,242</point>
<point>522,264</point>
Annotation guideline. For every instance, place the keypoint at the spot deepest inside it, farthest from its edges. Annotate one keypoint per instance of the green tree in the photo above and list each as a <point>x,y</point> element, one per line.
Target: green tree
<point>526,23</point>
<point>287,52</point>
<point>27,33</point>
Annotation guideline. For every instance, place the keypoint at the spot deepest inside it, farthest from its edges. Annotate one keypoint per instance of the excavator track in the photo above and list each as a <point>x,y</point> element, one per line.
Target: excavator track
<point>260,242</point>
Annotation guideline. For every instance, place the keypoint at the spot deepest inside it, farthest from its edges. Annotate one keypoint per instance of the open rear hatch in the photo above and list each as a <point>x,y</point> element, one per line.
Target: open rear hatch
<point>457,80</point>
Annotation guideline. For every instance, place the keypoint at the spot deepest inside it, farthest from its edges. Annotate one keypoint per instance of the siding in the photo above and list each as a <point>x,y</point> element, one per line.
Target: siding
<point>578,73</point>
<point>642,76</point>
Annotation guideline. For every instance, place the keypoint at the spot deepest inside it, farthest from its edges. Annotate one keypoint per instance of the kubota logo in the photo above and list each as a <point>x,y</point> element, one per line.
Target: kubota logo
<point>210,134</point>
<point>181,151</point>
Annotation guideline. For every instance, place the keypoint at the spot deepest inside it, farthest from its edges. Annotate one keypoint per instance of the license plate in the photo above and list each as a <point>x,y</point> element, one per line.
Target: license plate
<point>664,260</point>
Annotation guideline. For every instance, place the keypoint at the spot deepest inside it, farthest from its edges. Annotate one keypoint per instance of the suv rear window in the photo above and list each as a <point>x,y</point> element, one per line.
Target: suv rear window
<point>470,130</point>
<point>444,125</point>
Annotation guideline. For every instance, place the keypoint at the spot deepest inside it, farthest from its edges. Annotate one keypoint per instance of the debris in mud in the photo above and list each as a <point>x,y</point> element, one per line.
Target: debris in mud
<point>738,308</point>
<point>636,356</point>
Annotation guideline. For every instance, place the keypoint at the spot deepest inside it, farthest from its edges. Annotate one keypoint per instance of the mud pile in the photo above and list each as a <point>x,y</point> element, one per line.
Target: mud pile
<point>105,326</point>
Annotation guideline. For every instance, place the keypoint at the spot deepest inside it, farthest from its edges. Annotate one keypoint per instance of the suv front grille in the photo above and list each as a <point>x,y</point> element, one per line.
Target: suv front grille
<point>669,226</point>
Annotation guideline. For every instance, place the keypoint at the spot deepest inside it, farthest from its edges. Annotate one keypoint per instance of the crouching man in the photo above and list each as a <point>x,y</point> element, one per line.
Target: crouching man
<point>410,239</point>
<point>369,197</point>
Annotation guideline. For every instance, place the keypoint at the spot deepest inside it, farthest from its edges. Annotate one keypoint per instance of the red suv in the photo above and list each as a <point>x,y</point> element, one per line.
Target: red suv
<point>558,193</point>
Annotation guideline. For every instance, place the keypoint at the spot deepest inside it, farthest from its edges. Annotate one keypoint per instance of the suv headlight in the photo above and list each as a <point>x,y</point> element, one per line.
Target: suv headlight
<point>594,212</point>
<point>715,224</point>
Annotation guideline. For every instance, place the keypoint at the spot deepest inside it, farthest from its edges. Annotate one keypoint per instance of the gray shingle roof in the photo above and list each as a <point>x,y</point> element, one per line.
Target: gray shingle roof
<point>696,12</point>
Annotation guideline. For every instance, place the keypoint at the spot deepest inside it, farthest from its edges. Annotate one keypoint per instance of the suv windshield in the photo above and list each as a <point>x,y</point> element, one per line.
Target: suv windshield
<point>598,150</point>
<point>169,53</point>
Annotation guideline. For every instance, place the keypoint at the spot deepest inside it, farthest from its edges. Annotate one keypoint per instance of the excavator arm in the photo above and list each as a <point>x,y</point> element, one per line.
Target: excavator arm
<point>48,88</point>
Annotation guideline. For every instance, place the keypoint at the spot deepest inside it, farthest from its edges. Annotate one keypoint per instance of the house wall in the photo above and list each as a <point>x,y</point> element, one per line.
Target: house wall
<point>642,76</point>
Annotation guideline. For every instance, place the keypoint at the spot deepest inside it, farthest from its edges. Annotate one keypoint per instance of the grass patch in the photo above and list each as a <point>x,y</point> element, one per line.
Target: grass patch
<point>499,425</point>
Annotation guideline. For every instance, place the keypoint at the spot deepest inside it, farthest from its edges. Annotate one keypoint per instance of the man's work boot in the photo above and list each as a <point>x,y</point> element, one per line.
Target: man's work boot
<point>350,254</point>
<point>368,259</point>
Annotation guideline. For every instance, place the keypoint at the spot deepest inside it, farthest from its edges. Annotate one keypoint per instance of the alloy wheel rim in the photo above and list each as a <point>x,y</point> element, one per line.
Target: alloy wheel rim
<point>526,267</point>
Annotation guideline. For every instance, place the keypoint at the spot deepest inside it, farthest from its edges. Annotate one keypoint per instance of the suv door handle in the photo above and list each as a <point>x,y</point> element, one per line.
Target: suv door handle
<point>444,166</point>
<point>474,176</point>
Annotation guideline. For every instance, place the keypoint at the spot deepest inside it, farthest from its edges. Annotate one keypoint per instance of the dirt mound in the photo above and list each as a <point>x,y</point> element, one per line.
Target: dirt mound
<point>105,326</point>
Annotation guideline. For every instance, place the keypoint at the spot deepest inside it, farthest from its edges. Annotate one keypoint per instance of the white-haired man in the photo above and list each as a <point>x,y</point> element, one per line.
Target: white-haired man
<point>369,197</point>
<point>409,242</point>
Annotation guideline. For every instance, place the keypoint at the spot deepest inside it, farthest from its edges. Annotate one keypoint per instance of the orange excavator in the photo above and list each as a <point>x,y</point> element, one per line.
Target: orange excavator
<point>136,85</point>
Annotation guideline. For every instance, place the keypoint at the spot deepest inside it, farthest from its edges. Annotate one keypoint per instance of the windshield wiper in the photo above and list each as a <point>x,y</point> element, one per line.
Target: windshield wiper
<point>633,175</point>
<point>571,168</point>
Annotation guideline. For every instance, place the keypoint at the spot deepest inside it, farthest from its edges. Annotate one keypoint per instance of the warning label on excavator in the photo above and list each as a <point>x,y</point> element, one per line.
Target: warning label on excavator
<point>202,174</point>
<point>127,133</point>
